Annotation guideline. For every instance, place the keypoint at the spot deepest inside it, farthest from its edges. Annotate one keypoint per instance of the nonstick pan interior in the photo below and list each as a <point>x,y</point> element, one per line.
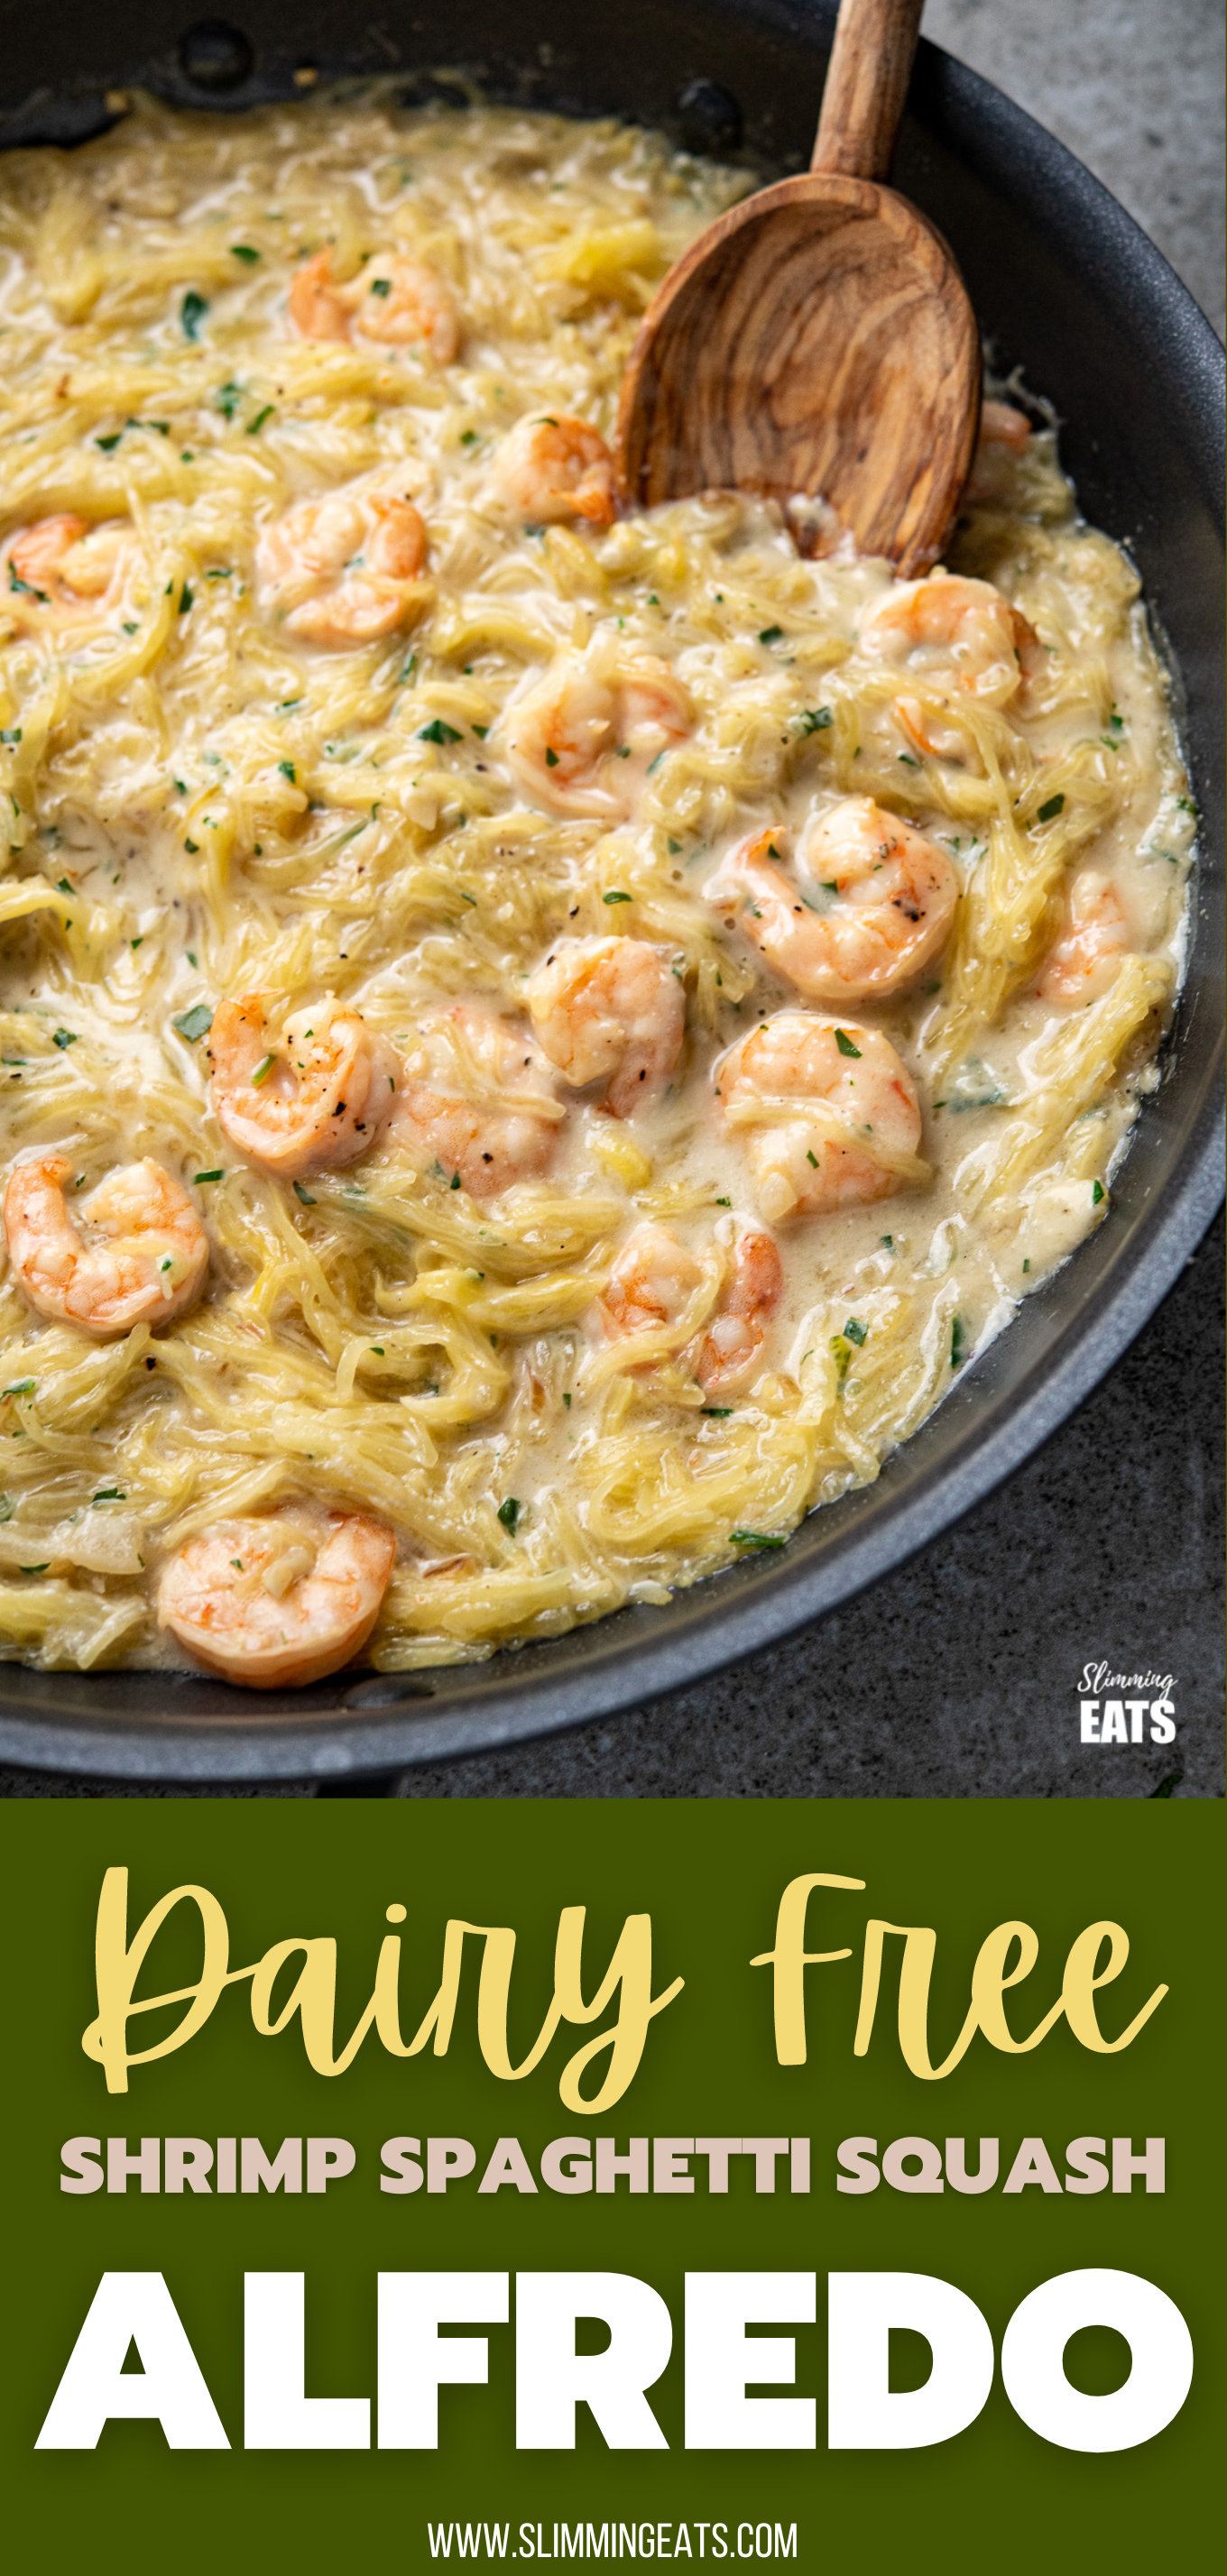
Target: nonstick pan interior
<point>1066,286</point>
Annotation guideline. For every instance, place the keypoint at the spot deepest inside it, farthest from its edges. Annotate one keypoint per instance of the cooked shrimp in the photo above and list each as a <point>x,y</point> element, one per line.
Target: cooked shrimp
<point>583,740</point>
<point>946,623</point>
<point>64,569</point>
<point>403,301</point>
<point>1003,425</point>
<point>559,468</point>
<point>832,1114</point>
<point>391,299</point>
<point>610,1007</point>
<point>651,1282</point>
<point>343,569</point>
<point>315,1100</point>
<point>1005,433</point>
<point>881,908</point>
<point>317,307</point>
<point>950,633</point>
<point>654,1279</point>
<point>476,1103</point>
<point>738,1329</point>
<point>279,1602</point>
<point>133,1252</point>
<point>1085,958</point>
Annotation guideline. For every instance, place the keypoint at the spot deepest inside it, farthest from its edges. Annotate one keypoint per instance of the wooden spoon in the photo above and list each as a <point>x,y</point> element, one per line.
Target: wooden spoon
<point>817,344</point>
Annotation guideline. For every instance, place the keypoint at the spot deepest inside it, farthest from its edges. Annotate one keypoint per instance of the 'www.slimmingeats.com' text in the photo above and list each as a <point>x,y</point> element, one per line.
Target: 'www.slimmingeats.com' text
<point>612,2540</point>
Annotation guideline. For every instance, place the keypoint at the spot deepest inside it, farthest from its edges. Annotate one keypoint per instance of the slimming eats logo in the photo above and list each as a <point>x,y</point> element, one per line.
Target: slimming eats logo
<point>1108,1716</point>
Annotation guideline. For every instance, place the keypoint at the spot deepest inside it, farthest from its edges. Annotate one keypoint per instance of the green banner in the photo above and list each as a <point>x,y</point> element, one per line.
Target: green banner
<point>399,2183</point>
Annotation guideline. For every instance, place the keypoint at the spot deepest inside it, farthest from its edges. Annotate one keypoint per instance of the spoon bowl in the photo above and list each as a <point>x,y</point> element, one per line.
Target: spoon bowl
<point>817,345</point>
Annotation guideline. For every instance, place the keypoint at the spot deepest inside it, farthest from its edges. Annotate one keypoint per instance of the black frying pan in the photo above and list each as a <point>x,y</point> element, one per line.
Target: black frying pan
<point>1066,285</point>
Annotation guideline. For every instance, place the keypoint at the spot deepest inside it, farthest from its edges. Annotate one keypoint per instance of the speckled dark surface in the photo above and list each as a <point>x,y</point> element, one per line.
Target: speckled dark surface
<point>958,1675</point>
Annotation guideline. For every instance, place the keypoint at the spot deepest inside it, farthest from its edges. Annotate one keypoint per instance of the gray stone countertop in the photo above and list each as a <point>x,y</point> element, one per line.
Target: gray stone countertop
<point>957,1675</point>
<point>1135,88</point>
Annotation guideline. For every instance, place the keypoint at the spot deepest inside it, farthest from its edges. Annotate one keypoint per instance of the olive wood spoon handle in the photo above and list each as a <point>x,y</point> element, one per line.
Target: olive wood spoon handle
<point>866,86</point>
<point>816,344</point>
